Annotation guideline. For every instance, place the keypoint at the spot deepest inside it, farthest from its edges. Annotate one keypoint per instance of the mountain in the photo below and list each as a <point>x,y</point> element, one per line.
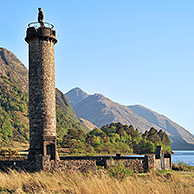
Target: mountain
<point>177,134</point>
<point>100,111</point>
<point>76,95</point>
<point>63,104</point>
<point>12,68</point>
<point>66,117</point>
<point>14,122</point>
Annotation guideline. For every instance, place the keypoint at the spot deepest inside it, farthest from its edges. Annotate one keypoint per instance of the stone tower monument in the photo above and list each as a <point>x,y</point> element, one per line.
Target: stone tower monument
<point>42,105</point>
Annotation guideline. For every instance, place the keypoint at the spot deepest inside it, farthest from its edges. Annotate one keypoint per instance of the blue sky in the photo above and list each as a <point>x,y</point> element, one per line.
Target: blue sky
<point>134,52</point>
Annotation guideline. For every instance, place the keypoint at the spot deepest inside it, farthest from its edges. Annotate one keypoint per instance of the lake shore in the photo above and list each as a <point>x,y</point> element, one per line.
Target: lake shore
<point>186,156</point>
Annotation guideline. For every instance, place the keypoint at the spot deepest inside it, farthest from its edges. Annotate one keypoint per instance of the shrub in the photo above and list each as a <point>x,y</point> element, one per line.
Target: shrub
<point>181,166</point>
<point>119,171</point>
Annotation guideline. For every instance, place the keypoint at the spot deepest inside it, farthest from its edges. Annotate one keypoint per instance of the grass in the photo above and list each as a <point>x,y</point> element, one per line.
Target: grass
<point>95,183</point>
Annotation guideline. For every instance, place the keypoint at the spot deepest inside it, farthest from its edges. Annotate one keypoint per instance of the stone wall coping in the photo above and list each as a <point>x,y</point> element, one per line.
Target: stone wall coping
<point>102,157</point>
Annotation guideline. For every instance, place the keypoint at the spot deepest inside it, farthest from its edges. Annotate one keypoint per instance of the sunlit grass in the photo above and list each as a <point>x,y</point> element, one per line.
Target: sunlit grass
<point>95,183</point>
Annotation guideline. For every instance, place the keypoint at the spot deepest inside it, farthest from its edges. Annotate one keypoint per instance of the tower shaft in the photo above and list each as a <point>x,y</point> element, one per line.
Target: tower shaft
<point>42,103</point>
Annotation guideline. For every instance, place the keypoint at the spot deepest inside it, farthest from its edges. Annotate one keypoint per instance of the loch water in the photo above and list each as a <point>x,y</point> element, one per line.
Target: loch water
<point>186,156</point>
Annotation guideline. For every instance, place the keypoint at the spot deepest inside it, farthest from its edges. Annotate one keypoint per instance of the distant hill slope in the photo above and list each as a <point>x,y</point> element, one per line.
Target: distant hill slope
<point>14,122</point>
<point>12,68</point>
<point>88,124</point>
<point>177,133</point>
<point>101,111</point>
<point>66,117</point>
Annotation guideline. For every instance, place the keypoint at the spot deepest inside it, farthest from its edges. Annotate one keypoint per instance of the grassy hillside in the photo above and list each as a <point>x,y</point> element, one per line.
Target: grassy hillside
<point>13,112</point>
<point>14,122</point>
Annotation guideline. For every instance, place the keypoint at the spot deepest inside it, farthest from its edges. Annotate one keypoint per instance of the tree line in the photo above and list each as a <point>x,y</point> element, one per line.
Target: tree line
<point>114,138</point>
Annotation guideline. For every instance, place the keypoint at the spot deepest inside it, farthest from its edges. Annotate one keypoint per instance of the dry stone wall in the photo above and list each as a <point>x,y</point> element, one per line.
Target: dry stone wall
<point>86,163</point>
<point>135,164</point>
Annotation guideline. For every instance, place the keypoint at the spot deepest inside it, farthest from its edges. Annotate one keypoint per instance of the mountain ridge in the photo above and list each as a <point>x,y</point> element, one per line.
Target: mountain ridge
<point>13,68</point>
<point>77,95</point>
<point>100,111</point>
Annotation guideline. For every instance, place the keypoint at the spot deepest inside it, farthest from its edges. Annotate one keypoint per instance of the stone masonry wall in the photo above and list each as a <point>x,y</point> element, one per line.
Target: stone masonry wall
<point>167,163</point>
<point>80,165</point>
<point>149,161</point>
<point>135,164</point>
<point>42,106</point>
<point>144,164</point>
<point>84,164</point>
<point>157,164</point>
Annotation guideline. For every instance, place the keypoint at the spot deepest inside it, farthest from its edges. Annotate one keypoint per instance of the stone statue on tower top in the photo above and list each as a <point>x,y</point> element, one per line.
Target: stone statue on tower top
<point>40,17</point>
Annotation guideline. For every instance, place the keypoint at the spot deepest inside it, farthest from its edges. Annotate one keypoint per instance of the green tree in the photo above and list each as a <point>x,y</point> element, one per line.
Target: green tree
<point>77,146</point>
<point>6,130</point>
<point>130,130</point>
<point>144,147</point>
<point>164,138</point>
<point>153,135</point>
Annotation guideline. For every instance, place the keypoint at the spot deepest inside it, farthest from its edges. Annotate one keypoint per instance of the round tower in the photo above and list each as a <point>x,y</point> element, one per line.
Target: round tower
<point>42,105</point>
